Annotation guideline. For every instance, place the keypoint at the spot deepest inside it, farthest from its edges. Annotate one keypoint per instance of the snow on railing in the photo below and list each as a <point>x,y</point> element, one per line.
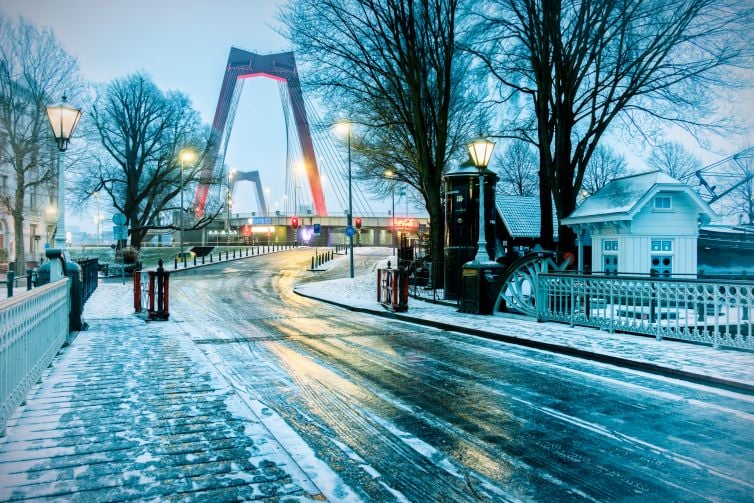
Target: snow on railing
<point>33,327</point>
<point>717,312</point>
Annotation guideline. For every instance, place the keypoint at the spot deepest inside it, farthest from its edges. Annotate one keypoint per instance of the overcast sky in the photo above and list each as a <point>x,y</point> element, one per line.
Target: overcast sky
<point>184,45</point>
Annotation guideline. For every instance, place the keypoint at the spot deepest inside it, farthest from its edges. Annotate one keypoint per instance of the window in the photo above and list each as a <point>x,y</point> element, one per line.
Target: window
<point>661,259</point>
<point>610,256</point>
<point>664,203</point>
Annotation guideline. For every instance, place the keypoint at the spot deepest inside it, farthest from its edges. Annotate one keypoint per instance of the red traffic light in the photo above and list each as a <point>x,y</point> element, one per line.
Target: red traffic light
<point>358,223</point>
<point>294,223</point>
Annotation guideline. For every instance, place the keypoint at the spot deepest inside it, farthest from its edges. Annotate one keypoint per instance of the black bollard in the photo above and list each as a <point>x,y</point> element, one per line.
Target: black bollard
<point>194,260</point>
<point>312,263</point>
<point>210,258</point>
<point>29,272</point>
<point>226,254</point>
<point>10,277</point>
<point>175,266</point>
<point>202,259</point>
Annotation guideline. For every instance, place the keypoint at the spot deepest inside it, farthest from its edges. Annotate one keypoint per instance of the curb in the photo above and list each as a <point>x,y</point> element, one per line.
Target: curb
<point>618,361</point>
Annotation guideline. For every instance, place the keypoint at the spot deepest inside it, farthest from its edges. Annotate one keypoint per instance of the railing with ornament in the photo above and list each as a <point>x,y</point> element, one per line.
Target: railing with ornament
<point>33,328</point>
<point>716,312</point>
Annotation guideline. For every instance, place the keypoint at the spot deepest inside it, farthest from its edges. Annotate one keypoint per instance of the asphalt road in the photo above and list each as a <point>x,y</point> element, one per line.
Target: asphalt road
<point>404,412</point>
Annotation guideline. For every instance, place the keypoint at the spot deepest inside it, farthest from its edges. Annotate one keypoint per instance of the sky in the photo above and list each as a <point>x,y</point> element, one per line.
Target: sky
<point>183,45</point>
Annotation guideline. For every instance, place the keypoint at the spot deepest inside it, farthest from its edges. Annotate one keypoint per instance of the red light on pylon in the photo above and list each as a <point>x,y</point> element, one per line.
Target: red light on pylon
<point>294,223</point>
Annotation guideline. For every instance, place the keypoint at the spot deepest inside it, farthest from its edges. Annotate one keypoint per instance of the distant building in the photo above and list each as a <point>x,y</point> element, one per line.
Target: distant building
<point>646,223</point>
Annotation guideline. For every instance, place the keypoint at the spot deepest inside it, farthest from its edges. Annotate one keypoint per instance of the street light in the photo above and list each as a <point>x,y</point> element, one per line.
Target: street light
<point>480,151</point>
<point>391,174</point>
<point>63,120</point>
<point>230,202</point>
<point>344,127</point>
<point>185,155</point>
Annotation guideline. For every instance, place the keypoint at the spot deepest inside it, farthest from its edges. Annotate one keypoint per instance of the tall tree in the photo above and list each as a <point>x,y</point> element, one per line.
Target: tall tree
<point>604,165</point>
<point>141,130</point>
<point>585,64</point>
<point>393,68</point>
<point>675,160</point>
<point>518,170</point>
<point>35,72</point>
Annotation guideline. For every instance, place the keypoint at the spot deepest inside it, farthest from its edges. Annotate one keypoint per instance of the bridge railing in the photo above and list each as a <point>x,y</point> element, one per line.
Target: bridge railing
<point>232,253</point>
<point>33,328</point>
<point>716,312</point>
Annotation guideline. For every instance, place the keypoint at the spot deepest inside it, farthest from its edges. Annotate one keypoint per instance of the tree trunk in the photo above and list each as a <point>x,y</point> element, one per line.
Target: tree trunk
<point>18,231</point>
<point>436,236</point>
<point>546,231</point>
<point>18,223</point>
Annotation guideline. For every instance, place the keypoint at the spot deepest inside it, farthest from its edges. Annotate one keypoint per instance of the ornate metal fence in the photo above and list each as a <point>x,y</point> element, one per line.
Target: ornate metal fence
<point>33,327</point>
<point>717,312</point>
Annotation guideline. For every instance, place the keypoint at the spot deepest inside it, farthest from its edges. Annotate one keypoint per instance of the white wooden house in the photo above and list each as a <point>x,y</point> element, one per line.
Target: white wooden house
<point>646,223</point>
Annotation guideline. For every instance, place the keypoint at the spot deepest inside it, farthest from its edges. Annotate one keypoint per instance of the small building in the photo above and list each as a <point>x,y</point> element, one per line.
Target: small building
<point>647,223</point>
<point>519,217</point>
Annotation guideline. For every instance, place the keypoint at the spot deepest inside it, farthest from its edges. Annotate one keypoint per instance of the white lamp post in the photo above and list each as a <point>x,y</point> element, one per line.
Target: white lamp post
<point>480,151</point>
<point>185,155</point>
<point>63,120</point>
<point>345,127</point>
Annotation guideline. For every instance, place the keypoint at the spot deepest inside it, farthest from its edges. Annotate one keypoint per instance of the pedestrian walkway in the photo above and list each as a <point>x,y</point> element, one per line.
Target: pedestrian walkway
<point>135,410</point>
<point>694,362</point>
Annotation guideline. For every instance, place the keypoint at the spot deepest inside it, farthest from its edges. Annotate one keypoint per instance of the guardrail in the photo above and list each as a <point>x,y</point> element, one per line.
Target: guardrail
<point>33,328</point>
<point>223,255</point>
<point>708,311</point>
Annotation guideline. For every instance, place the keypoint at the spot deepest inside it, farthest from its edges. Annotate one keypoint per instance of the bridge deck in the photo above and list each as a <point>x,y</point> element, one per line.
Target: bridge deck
<point>132,409</point>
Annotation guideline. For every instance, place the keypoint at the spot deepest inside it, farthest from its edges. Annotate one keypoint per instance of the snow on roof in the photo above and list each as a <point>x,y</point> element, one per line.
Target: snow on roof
<point>621,197</point>
<point>520,215</point>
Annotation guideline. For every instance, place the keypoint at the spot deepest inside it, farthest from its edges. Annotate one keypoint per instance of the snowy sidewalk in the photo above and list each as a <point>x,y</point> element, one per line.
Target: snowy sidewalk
<point>690,361</point>
<point>135,410</point>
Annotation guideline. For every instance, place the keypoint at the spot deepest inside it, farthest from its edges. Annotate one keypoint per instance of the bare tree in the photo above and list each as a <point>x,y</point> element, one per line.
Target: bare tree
<point>604,165</point>
<point>140,130</point>
<point>676,161</point>
<point>584,65</point>
<point>35,72</point>
<point>393,68</point>
<point>517,169</point>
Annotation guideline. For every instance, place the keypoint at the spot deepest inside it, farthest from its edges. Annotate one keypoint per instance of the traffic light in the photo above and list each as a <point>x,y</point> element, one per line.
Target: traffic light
<point>294,223</point>
<point>358,223</point>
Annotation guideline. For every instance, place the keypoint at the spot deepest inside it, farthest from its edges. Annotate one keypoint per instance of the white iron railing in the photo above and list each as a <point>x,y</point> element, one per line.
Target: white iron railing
<point>717,312</point>
<point>33,327</point>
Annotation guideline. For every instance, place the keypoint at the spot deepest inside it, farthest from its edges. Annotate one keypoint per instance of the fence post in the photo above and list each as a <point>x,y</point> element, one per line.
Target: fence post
<point>573,300</point>
<point>540,298</point>
<point>160,291</point>
<point>137,292</point>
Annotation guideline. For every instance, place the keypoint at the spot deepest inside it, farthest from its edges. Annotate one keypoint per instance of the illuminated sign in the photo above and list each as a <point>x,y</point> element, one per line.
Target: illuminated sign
<point>223,233</point>
<point>263,229</point>
<point>406,223</point>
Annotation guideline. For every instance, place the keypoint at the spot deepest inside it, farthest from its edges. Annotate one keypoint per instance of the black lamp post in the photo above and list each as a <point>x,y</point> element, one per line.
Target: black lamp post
<point>63,120</point>
<point>480,151</point>
<point>481,277</point>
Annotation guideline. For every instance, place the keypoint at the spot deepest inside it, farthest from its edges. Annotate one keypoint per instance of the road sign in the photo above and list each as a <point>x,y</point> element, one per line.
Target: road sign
<point>120,232</point>
<point>119,219</point>
<point>350,231</point>
<point>316,229</point>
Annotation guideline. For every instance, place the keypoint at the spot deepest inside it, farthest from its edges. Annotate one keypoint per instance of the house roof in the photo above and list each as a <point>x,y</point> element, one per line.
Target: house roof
<point>520,215</point>
<point>622,198</point>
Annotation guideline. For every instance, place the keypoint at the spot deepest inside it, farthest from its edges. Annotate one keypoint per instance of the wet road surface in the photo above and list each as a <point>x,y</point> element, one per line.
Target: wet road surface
<point>402,412</point>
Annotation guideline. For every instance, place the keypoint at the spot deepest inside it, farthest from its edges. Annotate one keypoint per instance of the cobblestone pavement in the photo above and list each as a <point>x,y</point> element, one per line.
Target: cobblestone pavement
<point>134,410</point>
